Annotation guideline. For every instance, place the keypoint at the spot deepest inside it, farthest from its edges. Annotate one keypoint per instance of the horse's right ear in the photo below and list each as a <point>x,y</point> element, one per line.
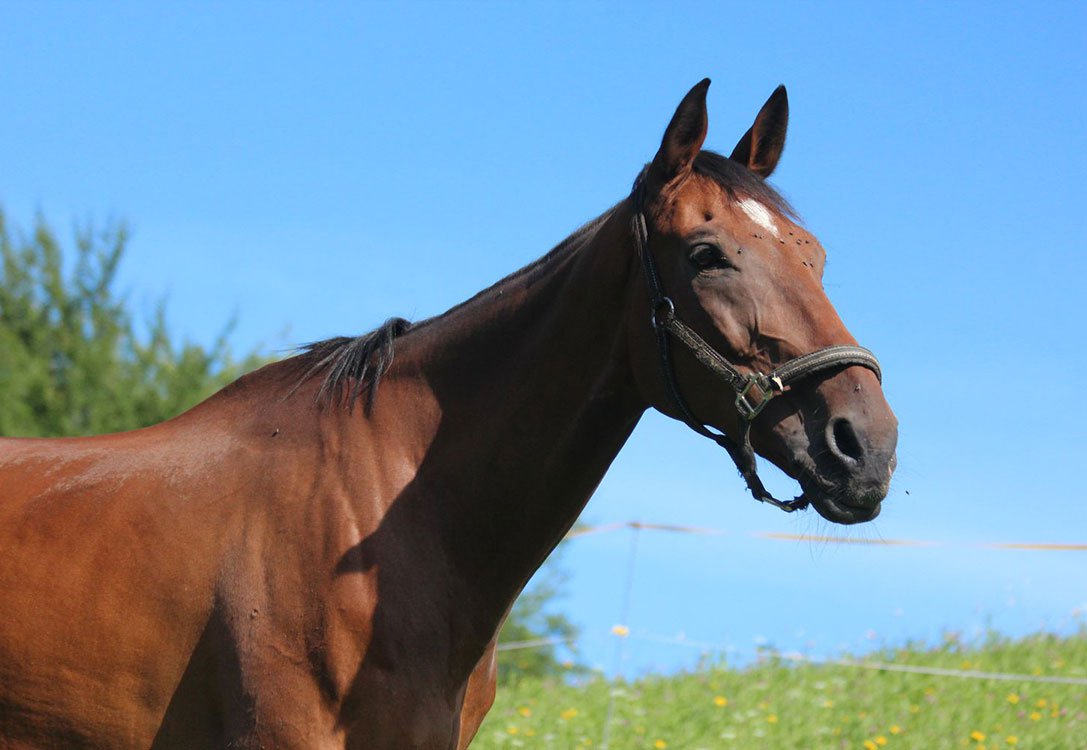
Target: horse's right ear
<point>760,148</point>
<point>683,138</point>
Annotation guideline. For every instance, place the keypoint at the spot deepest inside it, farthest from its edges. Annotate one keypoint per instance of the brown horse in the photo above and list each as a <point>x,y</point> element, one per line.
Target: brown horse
<point>311,558</point>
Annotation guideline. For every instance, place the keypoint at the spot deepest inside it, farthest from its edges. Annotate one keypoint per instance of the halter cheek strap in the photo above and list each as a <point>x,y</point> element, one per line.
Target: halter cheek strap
<point>753,390</point>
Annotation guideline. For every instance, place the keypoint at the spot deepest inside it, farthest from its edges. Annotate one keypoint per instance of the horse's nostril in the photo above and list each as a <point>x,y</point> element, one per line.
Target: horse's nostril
<point>844,441</point>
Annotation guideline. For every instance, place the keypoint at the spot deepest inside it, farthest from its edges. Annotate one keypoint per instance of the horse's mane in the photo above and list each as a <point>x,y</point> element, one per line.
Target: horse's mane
<point>353,366</point>
<point>358,361</point>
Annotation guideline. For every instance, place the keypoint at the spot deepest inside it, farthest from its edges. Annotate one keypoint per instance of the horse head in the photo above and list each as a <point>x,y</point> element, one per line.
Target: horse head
<point>735,293</point>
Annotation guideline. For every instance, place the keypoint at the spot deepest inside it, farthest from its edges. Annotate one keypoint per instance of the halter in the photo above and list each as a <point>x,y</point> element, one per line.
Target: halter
<point>754,390</point>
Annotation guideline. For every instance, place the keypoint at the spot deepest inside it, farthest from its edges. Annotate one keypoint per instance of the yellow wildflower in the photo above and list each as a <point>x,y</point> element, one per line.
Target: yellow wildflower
<point>1013,698</point>
<point>720,700</point>
<point>1041,703</point>
<point>1011,739</point>
<point>525,711</point>
<point>895,729</point>
<point>869,745</point>
<point>1034,716</point>
<point>772,718</point>
<point>881,740</point>
<point>660,744</point>
<point>568,714</point>
<point>1055,713</point>
<point>828,703</point>
<point>512,730</point>
<point>977,736</point>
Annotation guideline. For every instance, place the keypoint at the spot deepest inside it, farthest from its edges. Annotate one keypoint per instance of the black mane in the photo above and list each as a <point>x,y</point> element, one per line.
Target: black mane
<point>354,365</point>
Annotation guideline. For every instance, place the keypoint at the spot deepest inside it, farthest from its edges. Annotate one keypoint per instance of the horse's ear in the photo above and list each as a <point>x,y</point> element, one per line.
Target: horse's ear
<point>760,148</point>
<point>683,139</point>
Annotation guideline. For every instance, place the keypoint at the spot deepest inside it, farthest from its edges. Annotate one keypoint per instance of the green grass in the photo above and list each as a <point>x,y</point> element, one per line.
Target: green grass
<point>777,704</point>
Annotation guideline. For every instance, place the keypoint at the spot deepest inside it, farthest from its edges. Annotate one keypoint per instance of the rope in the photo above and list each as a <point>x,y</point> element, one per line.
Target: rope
<point>776,536</point>
<point>534,643</point>
<point>784,537</point>
<point>882,666</point>
<point>879,666</point>
<point>962,673</point>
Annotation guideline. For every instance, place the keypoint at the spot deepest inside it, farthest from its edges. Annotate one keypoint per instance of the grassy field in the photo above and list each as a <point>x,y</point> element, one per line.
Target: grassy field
<point>778,704</point>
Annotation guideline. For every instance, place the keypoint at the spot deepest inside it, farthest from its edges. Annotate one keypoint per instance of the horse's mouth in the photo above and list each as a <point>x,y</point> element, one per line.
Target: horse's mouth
<point>839,511</point>
<point>836,503</point>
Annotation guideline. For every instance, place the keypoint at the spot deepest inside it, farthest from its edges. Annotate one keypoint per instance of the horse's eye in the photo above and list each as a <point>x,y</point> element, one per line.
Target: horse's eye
<point>708,256</point>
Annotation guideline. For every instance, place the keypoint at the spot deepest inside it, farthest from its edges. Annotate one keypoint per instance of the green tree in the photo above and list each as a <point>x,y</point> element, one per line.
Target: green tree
<point>72,359</point>
<point>536,634</point>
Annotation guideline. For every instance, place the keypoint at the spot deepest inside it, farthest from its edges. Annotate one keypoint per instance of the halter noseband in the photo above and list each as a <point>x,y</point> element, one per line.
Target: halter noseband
<point>753,391</point>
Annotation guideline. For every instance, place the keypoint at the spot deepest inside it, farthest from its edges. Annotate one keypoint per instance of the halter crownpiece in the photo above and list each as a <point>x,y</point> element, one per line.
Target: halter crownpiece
<point>754,390</point>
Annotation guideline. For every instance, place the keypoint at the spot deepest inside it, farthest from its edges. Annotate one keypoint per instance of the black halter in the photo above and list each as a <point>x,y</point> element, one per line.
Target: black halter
<point>753,391</point>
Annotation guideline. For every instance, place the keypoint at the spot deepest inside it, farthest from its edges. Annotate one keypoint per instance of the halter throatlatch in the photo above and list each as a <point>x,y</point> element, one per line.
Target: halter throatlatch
<point>753,390</point>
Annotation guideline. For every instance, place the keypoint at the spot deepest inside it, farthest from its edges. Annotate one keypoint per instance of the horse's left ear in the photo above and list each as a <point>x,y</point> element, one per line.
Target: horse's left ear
<point>760,148</point>
<point>683,139</point>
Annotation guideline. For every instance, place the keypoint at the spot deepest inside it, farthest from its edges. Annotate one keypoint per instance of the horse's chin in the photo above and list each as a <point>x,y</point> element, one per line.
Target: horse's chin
<point>841,504</point>
<point>839,511</point>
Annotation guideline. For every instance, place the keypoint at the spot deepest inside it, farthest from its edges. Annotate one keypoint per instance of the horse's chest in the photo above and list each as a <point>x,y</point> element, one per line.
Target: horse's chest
<point>379,672</point>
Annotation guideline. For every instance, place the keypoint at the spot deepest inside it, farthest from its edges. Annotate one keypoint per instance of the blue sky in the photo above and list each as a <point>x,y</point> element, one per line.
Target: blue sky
<point>314,170</point>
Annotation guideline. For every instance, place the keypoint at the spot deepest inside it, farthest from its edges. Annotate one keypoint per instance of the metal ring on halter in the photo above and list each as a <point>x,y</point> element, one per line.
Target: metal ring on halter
<point>654,315</point>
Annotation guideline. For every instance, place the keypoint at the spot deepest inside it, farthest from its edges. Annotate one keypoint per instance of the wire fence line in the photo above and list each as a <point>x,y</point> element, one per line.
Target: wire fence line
<point>623,632</point>
<point>534,643</point>
<point>783,537</point>
<point>880,666</point>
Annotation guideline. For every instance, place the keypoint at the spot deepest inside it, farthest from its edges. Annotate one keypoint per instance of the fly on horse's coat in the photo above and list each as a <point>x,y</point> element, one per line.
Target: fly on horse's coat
<point>321,554</point>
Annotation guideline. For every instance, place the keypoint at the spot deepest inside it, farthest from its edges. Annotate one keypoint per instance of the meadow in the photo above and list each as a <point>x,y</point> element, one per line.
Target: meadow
<point>777,703</point>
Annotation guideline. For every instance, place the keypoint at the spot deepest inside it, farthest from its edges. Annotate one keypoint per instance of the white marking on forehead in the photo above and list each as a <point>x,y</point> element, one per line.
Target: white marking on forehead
<point>759,214</point>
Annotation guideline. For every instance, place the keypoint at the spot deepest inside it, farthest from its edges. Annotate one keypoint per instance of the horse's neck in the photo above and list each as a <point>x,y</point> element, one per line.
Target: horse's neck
<point>536,400</point>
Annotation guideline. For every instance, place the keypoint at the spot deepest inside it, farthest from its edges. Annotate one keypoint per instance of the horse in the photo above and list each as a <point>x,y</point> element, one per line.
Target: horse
<point>321,554</point>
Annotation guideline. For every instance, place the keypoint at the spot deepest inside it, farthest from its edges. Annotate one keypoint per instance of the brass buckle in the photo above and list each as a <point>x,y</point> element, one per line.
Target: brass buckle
<point>749,408</point>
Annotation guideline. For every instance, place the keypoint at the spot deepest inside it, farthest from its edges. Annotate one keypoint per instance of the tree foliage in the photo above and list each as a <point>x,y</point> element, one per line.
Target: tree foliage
<point>542,638</point>
<point>72,359</point>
